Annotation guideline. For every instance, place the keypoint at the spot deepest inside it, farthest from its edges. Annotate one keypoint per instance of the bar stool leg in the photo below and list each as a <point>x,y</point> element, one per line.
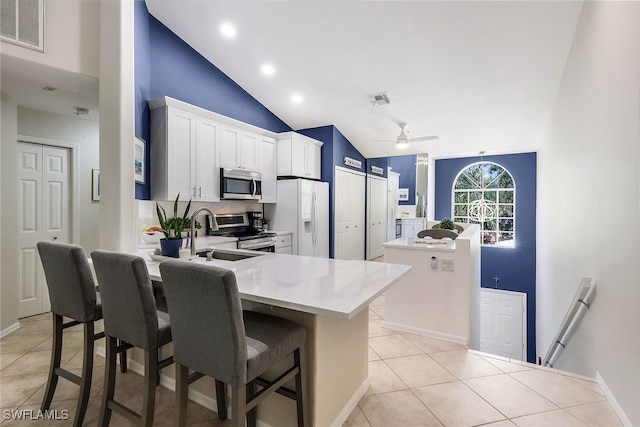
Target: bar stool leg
<point>56,355</point>
<point>109,381</point>
<point>182,391</point>
<point>123,358</point>
<point>150,381</point>
<point>301,388</point>
<point>252,414</point>
<point>221,400</point>
<point>238,406</point>
<point>87,374</point>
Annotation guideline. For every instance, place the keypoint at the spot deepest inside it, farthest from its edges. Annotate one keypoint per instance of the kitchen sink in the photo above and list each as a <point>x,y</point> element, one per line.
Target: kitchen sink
<point>225,255</point>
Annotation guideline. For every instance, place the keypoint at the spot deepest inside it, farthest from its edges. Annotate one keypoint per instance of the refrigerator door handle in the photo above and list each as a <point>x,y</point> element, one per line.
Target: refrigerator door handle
<point>315,218</point>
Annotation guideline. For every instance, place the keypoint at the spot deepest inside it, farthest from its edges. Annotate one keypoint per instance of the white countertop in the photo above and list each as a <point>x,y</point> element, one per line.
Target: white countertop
<point>322,286</point>
<point>280,232</point>
<point>421,244</point>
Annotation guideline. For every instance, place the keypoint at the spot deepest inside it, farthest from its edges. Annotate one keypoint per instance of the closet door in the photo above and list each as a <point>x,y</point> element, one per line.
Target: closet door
<point>349,214</point>
<point>43,214</point>
<point>376,215</point>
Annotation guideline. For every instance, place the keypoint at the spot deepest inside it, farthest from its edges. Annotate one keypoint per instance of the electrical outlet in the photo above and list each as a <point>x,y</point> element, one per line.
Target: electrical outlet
<point>447,264</point>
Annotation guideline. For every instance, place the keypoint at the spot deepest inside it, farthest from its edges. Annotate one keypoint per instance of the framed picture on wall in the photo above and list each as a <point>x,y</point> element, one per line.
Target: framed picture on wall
<point>95,185</point>
<point>403,194</point>
<point>139,159</point>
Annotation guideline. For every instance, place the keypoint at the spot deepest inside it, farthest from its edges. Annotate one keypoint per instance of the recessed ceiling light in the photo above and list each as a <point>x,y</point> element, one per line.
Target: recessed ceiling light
<point>268,70</point>
<point>297,98</point>
<point>228,30</point>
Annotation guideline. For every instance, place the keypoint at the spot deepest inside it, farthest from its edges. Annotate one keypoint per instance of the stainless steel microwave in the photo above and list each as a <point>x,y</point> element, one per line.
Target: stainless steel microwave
<point>239,184</point>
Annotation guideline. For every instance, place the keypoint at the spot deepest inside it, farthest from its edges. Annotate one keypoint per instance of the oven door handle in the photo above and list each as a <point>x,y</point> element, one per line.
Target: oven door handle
<point>257,245</point>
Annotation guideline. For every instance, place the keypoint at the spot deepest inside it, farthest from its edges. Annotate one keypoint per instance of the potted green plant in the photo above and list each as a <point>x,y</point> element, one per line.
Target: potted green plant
<point>447,224</point>
<point>172,228</point>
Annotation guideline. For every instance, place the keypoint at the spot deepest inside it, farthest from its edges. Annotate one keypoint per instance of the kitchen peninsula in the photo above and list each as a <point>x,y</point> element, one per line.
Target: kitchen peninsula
<point>439,297</point>
<point>330,299</point>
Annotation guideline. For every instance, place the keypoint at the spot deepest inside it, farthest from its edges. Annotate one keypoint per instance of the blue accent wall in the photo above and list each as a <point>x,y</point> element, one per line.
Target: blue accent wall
<point>406,167</point>
<point>516,267</point>
<point>334,150</point>
<point>166,66</point>
<point>381,162</point>
<point>142,88</point>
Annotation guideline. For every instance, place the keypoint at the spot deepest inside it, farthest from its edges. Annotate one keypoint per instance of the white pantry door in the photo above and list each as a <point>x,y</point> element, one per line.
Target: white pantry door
<point>43,214</point>
<point>503,324</point>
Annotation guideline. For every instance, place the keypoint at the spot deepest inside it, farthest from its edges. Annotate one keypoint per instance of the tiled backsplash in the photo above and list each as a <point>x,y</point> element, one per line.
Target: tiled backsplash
<point>147,210</point>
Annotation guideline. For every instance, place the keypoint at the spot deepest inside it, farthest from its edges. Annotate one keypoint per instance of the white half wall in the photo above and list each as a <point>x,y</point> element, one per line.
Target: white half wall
<point>71,38</point>
<point>8,289</point>
<point>589,202</point>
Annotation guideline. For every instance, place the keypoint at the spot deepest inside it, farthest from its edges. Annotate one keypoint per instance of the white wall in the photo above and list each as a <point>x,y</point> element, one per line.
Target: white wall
<point>85,134</point>
<point>8,290</point>
<point>589,202</point>
<point>71,38</point>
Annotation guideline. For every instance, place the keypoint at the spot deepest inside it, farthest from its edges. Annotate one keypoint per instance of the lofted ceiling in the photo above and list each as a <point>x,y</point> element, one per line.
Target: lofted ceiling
<point>480,75</point>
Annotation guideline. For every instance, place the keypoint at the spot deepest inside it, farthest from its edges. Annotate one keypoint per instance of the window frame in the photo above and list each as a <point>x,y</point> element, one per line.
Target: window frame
<point>478,193</point>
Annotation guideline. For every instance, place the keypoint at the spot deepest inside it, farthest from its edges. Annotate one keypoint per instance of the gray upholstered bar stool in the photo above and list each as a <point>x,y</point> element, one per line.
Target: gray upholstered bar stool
<point>130,314</point>
<point>214,337</point>
<point>72,293</point>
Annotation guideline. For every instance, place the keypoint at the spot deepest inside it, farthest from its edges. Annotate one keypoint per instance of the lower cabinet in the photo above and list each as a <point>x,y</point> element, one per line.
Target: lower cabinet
<point>412,226</point>
<point>283,244</point>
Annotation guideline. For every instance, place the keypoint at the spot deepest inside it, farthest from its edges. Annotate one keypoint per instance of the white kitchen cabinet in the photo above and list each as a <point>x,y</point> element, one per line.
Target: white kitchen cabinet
<point>299,155</point>
<point>184,158</point>
<point>238,148</point>
<point>412,226</point>
<point>283,244</point>
<point>268,168</point>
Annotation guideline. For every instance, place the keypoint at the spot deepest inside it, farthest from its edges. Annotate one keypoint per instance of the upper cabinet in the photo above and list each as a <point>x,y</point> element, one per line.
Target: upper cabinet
<point>239,149</point>
<point>184,158</point>
<point>299,155</point>
<point>268,170</point>
<point>189,145</point>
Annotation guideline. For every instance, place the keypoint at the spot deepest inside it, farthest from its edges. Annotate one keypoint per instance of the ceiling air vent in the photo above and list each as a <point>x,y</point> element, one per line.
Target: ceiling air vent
<point>22,22</point>
<point>379,99</point>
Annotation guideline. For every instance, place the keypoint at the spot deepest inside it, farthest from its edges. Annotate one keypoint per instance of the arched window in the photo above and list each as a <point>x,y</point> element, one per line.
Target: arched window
<point>485,193</point>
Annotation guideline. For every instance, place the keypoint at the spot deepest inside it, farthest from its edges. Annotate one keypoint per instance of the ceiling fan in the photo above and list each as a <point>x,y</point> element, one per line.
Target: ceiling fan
<point>402,141</point>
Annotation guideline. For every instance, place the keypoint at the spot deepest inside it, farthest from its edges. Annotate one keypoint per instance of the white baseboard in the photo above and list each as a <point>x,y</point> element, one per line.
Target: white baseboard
<point>426,332</point>
<point>10,329</point>
<point>351,404</point>
<point>612,401</point>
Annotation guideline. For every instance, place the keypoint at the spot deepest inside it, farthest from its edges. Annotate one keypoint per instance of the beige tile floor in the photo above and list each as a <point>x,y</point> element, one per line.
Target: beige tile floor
<point>415,381</point>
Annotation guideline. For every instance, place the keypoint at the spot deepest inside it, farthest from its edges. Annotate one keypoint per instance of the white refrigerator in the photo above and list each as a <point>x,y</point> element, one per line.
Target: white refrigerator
<point>302,207</point>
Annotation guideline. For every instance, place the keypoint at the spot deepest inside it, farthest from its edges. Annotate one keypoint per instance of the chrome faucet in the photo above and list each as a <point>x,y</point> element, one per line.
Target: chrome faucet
<point>214,226</point>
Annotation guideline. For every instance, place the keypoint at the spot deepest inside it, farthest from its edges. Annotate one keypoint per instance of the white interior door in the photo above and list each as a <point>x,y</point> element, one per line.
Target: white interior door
<point>503,321</point>
<point>376,216</point>
<point>43,214</point>
<point>350,218</point>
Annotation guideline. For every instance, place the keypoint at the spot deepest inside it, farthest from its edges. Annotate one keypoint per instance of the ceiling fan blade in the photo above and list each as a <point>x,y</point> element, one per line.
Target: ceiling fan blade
<point>424,138</point>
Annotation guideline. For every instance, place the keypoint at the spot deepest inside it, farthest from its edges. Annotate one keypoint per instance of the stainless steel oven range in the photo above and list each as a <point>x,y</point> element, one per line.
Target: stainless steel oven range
<point>238,225</point>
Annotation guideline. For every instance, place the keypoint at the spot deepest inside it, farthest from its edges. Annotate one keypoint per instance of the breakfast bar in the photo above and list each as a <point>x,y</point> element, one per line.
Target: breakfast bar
<point>330,299</point>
